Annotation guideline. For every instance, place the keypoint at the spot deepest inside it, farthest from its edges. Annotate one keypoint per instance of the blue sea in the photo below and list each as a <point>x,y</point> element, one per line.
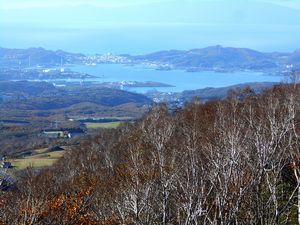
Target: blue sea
<point>180,80</point>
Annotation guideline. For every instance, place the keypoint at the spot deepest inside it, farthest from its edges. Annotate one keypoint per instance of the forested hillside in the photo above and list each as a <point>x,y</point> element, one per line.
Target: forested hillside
<point>234,161</point>
<point>221,58</point>
<point>29,108</point>
<point>36,56</point>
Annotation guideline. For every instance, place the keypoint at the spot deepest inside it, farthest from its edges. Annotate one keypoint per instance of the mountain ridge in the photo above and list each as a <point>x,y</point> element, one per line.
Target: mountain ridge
<point>221,57</point>
<point>209,58</point>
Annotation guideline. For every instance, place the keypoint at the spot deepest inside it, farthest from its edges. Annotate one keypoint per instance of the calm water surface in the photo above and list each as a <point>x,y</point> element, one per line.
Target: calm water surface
<point>181,80</point>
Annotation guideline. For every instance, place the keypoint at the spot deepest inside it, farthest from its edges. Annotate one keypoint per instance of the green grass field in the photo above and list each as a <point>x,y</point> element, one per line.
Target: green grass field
<point>40,158</point>
<point>119,118</point>
<point>109,125</point>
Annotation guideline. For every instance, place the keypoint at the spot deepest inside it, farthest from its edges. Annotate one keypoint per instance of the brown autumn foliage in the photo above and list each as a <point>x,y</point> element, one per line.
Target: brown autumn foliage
<point>222,162</point>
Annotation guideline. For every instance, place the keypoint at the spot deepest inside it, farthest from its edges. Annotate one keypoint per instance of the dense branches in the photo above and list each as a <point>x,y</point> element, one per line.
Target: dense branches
<point>235,161</point>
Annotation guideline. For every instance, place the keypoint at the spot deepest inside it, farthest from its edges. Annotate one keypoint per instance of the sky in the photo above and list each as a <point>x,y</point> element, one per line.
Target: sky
<point>21,4</point>
<point>141,26</point>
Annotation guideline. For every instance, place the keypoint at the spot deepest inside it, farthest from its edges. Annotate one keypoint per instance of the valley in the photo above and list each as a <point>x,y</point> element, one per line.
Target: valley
<point>43,90</point>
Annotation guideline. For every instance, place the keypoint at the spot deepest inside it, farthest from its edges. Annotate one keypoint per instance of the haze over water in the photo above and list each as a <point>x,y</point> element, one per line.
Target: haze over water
<point>143,26</point>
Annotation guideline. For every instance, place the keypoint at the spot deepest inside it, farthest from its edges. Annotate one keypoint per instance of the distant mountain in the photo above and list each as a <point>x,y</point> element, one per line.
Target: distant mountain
<point>36,57</point>
<point>216,58</point>
<point>207,94</point>
<point>294,58</point>
<point>221,93</point>
<point>220,58</point>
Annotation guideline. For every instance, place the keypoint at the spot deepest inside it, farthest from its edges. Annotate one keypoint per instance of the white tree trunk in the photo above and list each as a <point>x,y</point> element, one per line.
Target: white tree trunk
<point>299,205</point>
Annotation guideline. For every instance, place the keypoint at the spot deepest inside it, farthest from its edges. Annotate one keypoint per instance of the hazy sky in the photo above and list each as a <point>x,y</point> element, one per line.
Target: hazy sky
<point>26,4</point>
<point>137,26</point>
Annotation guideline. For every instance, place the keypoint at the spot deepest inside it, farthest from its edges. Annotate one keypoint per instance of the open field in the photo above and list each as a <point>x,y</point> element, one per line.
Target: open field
<point>40,158</point>
<point>123,118</point>
<point>109,125</point>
